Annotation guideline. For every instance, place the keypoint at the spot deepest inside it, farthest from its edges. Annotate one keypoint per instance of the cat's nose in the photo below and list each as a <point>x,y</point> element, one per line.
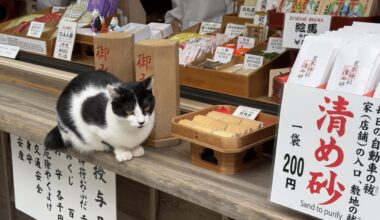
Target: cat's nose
<point>141,122</point>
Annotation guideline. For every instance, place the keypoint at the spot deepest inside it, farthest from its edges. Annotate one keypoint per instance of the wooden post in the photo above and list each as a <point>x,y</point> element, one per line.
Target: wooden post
<point>160,59</point>
<point>7,211</point>
<point>153,203</point>
<point>113,52</point>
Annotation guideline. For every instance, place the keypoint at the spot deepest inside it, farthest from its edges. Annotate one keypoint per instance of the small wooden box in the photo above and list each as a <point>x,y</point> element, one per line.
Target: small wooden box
<point>222,154</point>
<point>252,85</point>
<point>42,46</point>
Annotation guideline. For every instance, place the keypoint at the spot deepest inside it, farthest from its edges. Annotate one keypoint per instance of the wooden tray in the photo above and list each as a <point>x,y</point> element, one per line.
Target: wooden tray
<point>222,144</point>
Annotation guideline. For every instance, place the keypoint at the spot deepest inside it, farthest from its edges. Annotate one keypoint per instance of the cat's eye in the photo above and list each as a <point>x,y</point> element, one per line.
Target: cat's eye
<point>130,113</point>
<point>147,108</point>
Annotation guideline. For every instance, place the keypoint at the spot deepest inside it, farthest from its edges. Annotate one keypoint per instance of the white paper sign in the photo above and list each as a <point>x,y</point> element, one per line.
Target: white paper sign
<point>53,185</point>
<point>327,154</point>
<point>25,44</point>
<point>8,51</point>
<point>247,11</point>
<point>253,61</point>
<point>35,29</point>
<point>209,27</point>
<point>245,42</point>
<point>65,40</point>
<point>246,112</point>
<point>57,9</point>
<point>223,54</point>
<point>233,30</point>
<point>275,45</point>
<point>297,26</point>
<point>260,19</point>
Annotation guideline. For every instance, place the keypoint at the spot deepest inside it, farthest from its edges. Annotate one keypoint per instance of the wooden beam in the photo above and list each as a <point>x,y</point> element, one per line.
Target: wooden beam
<point>5,171</point>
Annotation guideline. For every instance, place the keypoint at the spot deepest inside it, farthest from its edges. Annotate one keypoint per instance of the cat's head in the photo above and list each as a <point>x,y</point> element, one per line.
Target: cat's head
<point>133,102</point>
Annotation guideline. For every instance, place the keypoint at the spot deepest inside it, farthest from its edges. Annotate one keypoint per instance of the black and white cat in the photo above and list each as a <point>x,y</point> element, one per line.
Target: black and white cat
<point>97,112</point>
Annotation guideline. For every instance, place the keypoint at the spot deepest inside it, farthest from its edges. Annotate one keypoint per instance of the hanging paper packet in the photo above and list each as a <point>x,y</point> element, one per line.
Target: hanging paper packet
<point>355,69</point>
<point>314,61</point>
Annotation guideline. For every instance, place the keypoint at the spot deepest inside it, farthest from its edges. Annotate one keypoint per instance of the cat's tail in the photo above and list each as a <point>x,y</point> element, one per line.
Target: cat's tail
<point>53,140</point>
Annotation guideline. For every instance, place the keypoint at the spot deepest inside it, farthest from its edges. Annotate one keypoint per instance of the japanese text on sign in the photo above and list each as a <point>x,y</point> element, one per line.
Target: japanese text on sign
<point>65,40</point>
<point>298,26</point>
<point>327,164</point>
<point>60,186</point>
<point>209,27</point>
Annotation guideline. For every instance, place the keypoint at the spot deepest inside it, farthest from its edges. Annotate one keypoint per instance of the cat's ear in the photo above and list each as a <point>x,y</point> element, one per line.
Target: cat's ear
<point>112,92</point>
<point>148,83</point>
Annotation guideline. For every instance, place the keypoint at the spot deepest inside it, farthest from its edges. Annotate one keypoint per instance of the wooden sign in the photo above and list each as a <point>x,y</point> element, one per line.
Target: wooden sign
<point>159,58</point>
<point>114,54</point>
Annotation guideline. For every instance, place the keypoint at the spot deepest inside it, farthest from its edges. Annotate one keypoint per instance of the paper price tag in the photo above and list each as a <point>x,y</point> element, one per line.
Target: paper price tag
<point>247,11</point>
<point>65,40</point>
<point>260,19</point>
<point>209,27</point>
<point>233,30</point>
<point>253,61</point>
<point>298,26</point>
<point>57,9</point>
<point>246,112</point>
<point>275,45</point>
<point>245,42</point>
<point>35,29</point>
<point>8,51</point>
<point>223,54</point>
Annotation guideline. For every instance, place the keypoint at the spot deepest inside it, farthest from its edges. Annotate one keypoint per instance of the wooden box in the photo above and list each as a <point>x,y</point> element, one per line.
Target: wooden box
<point>221,154</point>
<point>42,46</point>
<point>223,144</point>
<point>252,85</point>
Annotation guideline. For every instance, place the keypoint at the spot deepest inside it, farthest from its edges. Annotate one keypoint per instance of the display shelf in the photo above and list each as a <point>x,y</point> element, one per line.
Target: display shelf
<point>28,110</point>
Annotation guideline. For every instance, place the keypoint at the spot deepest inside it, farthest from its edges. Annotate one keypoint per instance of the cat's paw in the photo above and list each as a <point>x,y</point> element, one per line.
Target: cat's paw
<point>138,151</point>
<point>122,156</point>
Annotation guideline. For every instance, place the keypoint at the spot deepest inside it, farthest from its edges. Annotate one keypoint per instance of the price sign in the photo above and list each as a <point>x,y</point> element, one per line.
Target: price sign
<point>209,27</point>
<point>253,61</point>
<point>233,30</point>
<point>247,11</point>
<point>65,40</point>
<point>245,42</point>
<point>57,9</point>
<point>275,45</point>
<point>327,154</point>
<point>246,112</point>
<point>260,19</point>
<point>35,29</point>
<point>8,51</point>
<point>223,54</point>
<point>298,26</point>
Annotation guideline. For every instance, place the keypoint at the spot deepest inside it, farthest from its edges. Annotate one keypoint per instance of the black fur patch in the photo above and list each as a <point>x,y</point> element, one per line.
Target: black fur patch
<point>94,110</point>
<point>108,145</point>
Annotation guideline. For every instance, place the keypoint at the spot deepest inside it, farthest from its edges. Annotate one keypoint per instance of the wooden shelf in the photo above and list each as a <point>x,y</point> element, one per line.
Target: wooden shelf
<point>29,111</point>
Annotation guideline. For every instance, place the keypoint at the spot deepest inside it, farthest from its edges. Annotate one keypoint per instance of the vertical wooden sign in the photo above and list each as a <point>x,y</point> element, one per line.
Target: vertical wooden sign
<point>160,59</point>
<point>113,52</point>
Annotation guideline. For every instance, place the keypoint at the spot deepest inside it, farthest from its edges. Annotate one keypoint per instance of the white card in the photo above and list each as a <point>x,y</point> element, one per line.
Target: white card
<point>223,54</point>
<point>35,29</point>
<point>57,9</point>
<point>298,26</point>
<point>8,51</point>
<point>253,61</point>
<point>247,11</point>
<point>245,42</point>
<point>275,45</point>
<point>65,40</point>
<point>246,112</point>
<point>260,19</point>
<point>233,30</point>
<point>209,27</point>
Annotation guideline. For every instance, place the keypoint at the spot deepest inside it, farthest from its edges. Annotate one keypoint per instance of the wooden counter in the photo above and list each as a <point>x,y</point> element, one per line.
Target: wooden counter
<point>28,94</point>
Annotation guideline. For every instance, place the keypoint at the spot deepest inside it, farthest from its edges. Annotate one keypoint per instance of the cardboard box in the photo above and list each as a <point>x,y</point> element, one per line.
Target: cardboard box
<point>160,59</point>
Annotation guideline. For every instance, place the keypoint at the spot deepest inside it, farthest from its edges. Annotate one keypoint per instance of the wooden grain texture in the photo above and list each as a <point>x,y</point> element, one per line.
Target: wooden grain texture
<point>6,208</point>
<point>30,113</point>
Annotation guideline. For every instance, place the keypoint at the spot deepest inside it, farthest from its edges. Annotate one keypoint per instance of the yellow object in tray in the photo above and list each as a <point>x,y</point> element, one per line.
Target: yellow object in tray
<point>251,124</point>
<point>237,129</point>
<point>229,119</point>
